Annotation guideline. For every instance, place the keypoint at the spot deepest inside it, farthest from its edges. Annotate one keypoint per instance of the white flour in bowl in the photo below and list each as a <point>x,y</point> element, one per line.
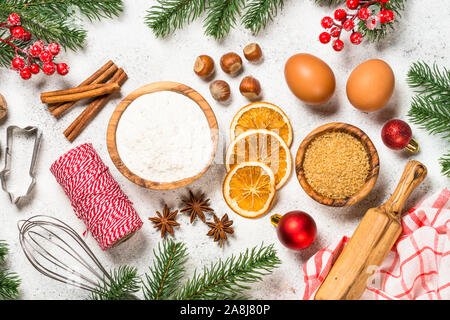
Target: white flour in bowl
<point>163,137</point>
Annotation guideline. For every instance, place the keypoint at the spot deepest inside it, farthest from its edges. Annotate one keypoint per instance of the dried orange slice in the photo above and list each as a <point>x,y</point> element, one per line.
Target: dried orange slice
<point>262,115</point>
<point>249,189</point>
<point>264,146</point>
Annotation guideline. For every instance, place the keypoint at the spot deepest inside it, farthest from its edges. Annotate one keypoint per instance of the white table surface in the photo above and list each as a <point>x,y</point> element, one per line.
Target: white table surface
<point>421,34</point>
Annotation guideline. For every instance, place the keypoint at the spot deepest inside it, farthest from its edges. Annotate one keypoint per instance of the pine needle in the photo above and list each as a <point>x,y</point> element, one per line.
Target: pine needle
<point>221,17</point>
<point>170,15</point>
<point>430,108</point>
<point>260,12</point>
<point>9,281</point>
<point>445,163</point>
<point>122,285</point>
<point>230,278</point>
<point>168,269</point>
<point>430,82</point>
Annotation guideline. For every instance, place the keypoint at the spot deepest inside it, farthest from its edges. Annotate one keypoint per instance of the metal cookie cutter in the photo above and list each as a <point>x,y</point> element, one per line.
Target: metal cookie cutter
<point>28,131</point>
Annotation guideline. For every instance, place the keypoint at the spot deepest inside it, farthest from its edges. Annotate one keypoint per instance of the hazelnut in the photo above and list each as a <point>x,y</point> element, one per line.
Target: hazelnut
<point>250,88</point>
<point>231,63</point>
<point>252,52</point>
<point>220,90</point>
<point>3,107</point>
<point>204,66</point>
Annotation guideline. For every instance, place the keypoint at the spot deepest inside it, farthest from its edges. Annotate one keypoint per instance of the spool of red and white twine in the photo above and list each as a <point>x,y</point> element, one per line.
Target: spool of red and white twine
<point>96,197</point>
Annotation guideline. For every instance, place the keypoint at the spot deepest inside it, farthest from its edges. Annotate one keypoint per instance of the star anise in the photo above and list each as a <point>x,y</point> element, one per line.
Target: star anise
<point>220,228</point>
<point>196,205</point>
<point>165,221</point>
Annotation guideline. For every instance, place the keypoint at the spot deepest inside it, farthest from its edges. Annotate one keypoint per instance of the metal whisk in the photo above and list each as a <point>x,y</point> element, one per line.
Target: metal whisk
<point>58,252</point>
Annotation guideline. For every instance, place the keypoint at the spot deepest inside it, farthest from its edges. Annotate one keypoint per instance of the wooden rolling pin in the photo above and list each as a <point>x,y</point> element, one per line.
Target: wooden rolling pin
<point>371,242</point>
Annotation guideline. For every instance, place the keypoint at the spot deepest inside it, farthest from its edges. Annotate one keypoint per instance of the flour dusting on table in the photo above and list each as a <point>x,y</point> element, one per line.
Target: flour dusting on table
<point>164,136</point>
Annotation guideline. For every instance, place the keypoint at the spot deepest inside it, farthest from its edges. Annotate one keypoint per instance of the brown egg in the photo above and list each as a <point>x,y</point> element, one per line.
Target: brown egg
<point>309,78</point>
<point>370,85</point>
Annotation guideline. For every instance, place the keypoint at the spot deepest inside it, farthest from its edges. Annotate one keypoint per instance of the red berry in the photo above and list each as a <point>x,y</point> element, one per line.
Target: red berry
<point>385,1</point>
<point>18,63</point>
<point>335,32</point>
<point>382,16</point>
<point>327,22</point>
<point>49,68</point>
<point>26,36</point>
<point>389,16</point>
<point>17,33</point>
<point>352,4</point>
<point>62,68</point>
<point>39,44</point>
<point>324,37</point>
<point>356,38</point>
<point>348,25</point>
<point>35,50</point>
<point>364,14</point>
<point>340,14</point>
<point>46,56</point>
<point>53,48</point>
<point>25,73</point>
<point>14,19</point>
<point>34,68</point>
<point>338,45</point>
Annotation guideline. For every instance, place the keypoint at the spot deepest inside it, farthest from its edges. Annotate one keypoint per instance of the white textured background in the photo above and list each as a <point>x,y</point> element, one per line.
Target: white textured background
<point>421,34</point>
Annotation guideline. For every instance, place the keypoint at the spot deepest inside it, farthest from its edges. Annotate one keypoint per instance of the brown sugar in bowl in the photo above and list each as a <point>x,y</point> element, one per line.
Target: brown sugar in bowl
<point>372,156</point>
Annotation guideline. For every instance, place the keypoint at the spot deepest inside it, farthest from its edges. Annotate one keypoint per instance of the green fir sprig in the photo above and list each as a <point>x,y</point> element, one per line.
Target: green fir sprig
<point>259,12</point>
<point>430,108</point>
<point>221,16</point>
<point>228,279</point>
<point>170,15</point>
<point>168,269</point>
<point>122,284</point>
<point>54,20</point>
<point>9,281</point>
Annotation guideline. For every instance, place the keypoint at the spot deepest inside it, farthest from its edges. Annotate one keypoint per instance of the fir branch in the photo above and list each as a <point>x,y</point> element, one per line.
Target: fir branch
<point>92,9</point>
<point>170,15</point>
<point>9,285</point>
<point>221,17</point>
<point>430,82</point>
<point>260,12</point>
<point>445,163</point>
<point>123,284</point>
<point>167,271</point>
<point>430,114</point>
<point>3,252</point>
<point>228,279</point>
<point>52,20</point>
<point>9,281</point>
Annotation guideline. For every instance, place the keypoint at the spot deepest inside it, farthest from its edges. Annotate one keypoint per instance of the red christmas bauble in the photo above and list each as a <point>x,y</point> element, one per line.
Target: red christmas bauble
<point>296,229</point>
<point>396,134</point>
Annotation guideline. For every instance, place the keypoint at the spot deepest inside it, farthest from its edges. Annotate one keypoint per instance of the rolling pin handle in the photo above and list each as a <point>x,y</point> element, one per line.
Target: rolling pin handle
<point>412,176</point>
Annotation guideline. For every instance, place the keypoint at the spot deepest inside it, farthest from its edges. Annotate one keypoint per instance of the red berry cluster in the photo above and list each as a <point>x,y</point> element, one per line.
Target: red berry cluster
<point>38,56</point>
<point>345,20</point>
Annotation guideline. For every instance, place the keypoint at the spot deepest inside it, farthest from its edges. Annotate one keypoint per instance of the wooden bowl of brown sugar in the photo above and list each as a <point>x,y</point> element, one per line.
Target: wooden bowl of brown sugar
<point>337,164</point>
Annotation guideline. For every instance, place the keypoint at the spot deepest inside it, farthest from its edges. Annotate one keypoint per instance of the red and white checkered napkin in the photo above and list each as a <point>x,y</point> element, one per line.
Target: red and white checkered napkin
<point>418,267</point>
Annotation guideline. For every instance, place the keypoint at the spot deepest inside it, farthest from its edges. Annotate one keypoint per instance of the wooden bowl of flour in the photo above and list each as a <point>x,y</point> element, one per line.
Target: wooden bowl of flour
<point>117,143</point>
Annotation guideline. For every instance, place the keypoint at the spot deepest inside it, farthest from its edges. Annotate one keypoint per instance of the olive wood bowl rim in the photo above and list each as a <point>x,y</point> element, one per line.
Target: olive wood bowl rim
<point>372,153</point>
<point>147,89</point>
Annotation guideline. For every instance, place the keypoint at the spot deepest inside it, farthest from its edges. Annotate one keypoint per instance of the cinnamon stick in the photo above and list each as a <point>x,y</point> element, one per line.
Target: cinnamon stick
<point>86,92</point>
<point>100,76</point>
<point>78,89</point>
<point>74,130</point>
